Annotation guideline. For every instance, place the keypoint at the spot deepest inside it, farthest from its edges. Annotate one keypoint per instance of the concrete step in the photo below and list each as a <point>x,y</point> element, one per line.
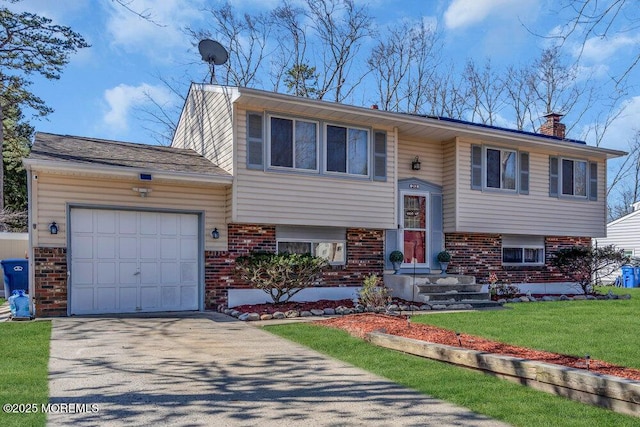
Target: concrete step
<point>440,279</point>
<point>435,289</point>
<point>455,296</point>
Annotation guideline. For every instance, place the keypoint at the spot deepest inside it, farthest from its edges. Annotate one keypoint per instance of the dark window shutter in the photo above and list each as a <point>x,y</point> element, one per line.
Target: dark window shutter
<point>437,233</point>
<point>524,172</point>
<point>255,141</point>
<point>553,176</point>
<point>593,181</point>
<point>476,167</point>
<point>380,156</point>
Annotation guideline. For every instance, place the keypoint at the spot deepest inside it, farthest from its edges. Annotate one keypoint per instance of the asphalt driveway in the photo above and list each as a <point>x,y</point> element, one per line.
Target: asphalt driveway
<point>207,369</point>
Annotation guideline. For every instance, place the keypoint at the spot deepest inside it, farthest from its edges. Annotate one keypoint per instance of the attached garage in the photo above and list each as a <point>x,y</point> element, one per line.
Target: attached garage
<point>133,261</point>
<point>133,225</point>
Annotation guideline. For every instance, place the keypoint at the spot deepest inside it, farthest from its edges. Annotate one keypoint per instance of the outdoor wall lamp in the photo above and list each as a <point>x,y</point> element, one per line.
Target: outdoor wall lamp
<point>215,233</point>
<point>415,165</point>
<point>53,228</point>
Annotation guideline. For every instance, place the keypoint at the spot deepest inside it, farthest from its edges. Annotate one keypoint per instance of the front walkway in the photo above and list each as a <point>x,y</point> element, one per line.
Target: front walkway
<point>208,369</point>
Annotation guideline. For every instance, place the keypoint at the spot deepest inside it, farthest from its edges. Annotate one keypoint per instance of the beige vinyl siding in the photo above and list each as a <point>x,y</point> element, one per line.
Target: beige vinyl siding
<point>430,155</point>
<point>535,213</point>
<point>624,233</point>
<point>206,126</point>
<point>55,191</point>
<point>311,199</point>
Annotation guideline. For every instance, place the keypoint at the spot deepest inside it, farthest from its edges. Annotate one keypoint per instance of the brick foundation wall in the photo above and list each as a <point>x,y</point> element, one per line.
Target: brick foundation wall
<point>50,272</point>
<point>481,254</point>
<point>365,255</point>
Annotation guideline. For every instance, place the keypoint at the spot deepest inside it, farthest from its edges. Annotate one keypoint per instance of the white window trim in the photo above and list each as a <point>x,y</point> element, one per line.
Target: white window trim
<point>561,178</point>
<point>369,173</point>
<point>312,241</point>
<point>485,169</point>
<point>294,120</point>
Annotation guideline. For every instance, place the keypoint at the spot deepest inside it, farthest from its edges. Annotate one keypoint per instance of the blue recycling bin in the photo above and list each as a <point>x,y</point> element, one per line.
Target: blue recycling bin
<point>636,274</point>
<point>16,275</point>
<point>628,276</point>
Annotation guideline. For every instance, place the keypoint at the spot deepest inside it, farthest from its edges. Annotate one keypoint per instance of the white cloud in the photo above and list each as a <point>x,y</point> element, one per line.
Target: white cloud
<point>123,98</point>
<point>157,36</point>
<point>599,49</point>
<point>465,13</point>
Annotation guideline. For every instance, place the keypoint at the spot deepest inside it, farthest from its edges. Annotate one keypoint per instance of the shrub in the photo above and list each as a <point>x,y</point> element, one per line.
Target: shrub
<point>498,289</point>
<point>444,256</point>
<point>373,293</point>
<point>280,275</point>
<point>396,256</point>
<point>582,263</point>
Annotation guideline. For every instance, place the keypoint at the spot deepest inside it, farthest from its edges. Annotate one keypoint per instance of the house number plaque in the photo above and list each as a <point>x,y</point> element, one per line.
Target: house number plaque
<point>414,186</point>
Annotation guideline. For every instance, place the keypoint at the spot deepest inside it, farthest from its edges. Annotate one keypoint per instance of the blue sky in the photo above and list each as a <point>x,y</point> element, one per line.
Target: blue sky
<point>101,90</point>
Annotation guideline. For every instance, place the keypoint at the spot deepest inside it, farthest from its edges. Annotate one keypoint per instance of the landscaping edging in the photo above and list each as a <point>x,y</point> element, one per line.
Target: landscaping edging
<point>618,394</point>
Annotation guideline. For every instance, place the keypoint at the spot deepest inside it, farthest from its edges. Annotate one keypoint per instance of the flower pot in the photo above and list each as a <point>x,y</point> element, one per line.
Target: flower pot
<point>396,267</point>
<point>443,267</point>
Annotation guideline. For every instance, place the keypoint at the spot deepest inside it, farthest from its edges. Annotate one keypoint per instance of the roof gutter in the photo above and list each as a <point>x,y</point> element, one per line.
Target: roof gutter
<point>35,164</point>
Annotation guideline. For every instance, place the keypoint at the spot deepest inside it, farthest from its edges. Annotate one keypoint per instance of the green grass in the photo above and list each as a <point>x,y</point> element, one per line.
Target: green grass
<point>512,403</point>
<point>24,358</point>
<point>606,330</point>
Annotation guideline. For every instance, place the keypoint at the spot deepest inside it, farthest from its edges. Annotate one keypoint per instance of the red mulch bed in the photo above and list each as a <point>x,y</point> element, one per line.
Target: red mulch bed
<point>360,324</point>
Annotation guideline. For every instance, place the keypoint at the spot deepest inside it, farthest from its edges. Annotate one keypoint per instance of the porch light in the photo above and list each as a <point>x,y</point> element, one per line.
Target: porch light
<point>53,228</point>
<point>215,233</point>
<point>415,164</point>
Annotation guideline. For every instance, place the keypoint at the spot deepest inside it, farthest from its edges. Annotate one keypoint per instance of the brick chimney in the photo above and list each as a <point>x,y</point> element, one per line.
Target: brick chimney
<point>552,126</point>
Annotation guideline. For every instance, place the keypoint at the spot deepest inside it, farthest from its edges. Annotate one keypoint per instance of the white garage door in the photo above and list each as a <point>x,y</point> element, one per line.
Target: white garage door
<point>129,261</point>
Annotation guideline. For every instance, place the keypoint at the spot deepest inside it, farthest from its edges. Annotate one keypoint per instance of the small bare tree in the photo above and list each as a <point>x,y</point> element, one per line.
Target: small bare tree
<point>485,92</point>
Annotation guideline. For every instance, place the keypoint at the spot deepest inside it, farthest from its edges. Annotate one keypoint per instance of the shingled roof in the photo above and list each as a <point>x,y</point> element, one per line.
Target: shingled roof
<point>101,152</point>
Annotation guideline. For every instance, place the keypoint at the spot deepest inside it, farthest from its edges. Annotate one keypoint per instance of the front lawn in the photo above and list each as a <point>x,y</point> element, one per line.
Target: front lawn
<point>24,359</point>
<point>512,403</point>
<point>606,330</point>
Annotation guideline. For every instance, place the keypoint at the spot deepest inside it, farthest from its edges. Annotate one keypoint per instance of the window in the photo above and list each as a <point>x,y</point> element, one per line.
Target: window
<point>347,150</point>
<point>294,143</point>
<point>331,251</point>
<point>327,242</point>
<point>523,250</point>
<point>573,178</point>
<point>500,169</point>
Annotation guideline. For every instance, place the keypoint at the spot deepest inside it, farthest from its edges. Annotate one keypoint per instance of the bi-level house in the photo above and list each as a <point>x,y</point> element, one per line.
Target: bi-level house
<point>147,228</point>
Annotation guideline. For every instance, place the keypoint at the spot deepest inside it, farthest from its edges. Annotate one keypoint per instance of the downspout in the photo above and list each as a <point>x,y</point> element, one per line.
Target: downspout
<point>32,285</point>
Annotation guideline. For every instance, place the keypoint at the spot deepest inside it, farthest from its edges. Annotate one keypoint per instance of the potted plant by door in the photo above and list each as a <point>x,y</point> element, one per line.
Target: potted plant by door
<point>443,258</point>
<point>396,258</point>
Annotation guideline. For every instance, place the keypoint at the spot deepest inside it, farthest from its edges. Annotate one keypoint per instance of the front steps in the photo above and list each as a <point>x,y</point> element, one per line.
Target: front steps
<point>440,290</point>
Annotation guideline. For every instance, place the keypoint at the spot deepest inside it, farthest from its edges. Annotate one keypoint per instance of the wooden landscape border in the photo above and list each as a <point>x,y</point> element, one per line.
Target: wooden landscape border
<point>615,393</point>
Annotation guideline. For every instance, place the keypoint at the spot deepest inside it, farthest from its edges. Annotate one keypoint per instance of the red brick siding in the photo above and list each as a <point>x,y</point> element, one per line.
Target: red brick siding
<point>481,254</point>
<point>50,272</point>
<point>364,256</point>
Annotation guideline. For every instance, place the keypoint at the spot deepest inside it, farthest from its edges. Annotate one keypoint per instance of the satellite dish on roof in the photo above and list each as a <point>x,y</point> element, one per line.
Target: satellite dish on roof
<point>214,54</point>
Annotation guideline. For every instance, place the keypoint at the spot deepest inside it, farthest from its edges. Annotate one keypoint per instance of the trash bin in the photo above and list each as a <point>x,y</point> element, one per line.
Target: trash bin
<point>628,276</point>
<point>19,305</point>
<point>636,282</point>
<point>16,275</point>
